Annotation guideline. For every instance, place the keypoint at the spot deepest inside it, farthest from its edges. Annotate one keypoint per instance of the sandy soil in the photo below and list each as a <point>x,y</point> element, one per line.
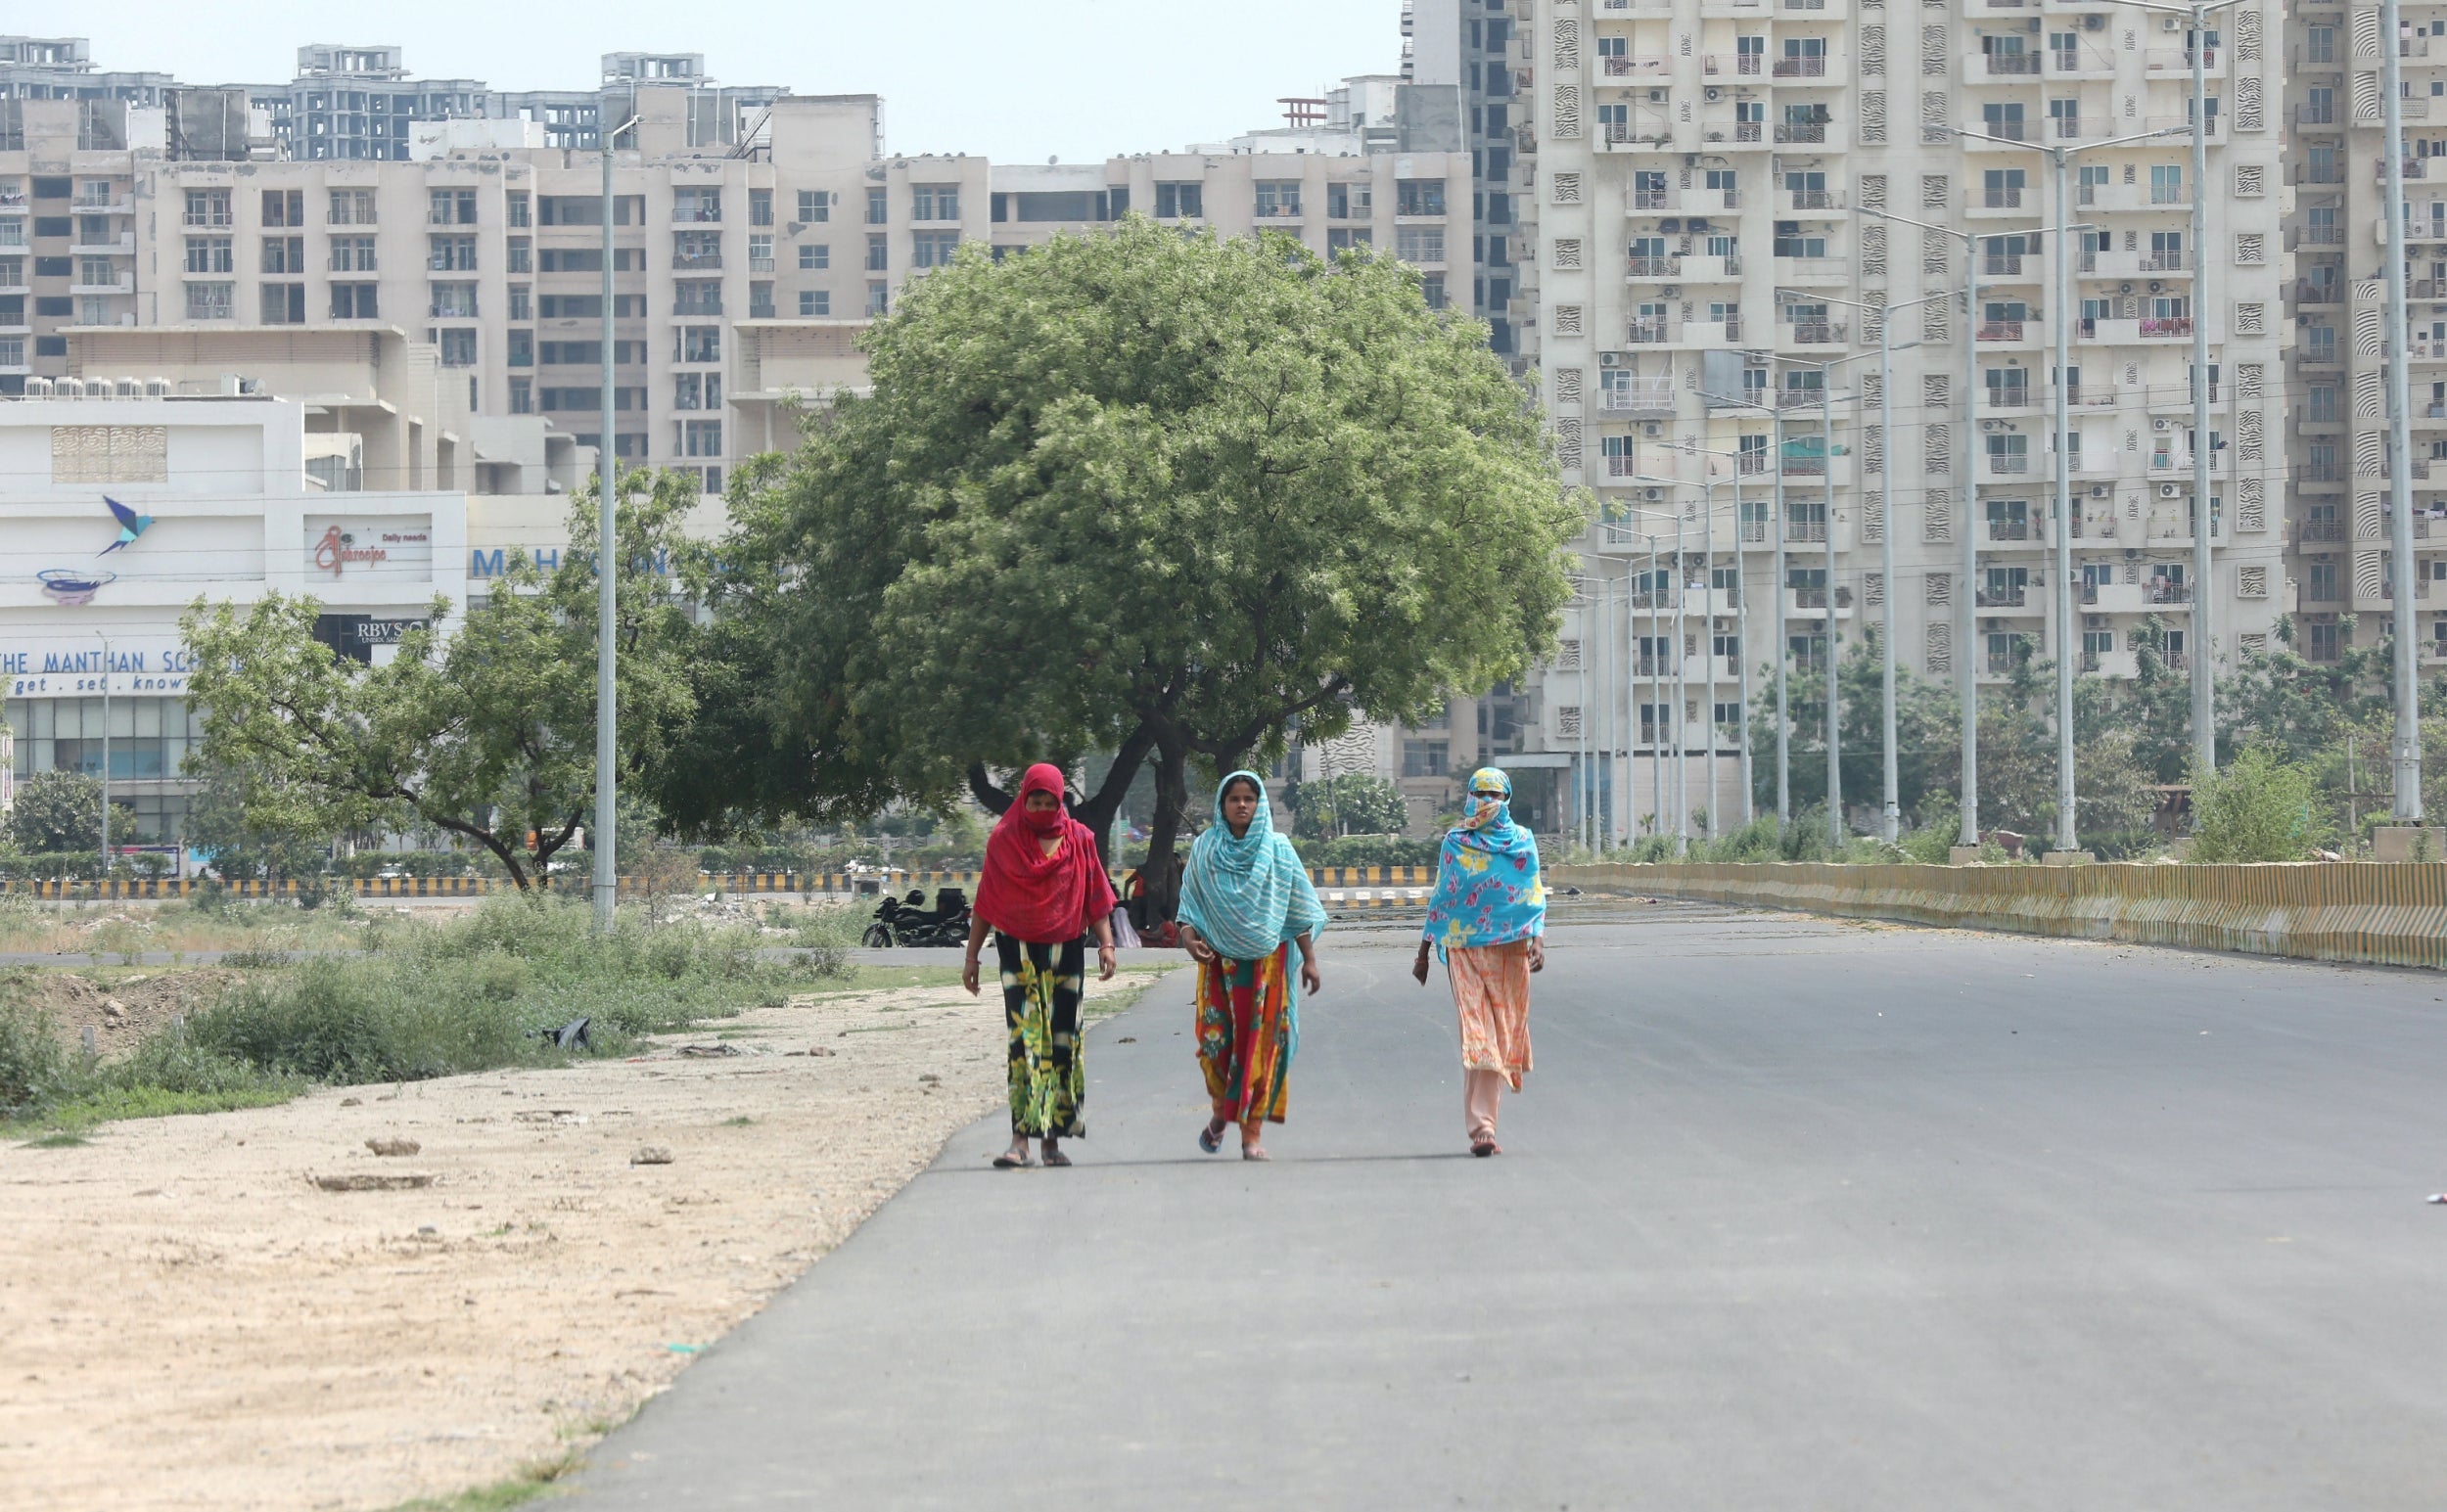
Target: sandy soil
<point>122,1007</point>
<point>188,1320</point>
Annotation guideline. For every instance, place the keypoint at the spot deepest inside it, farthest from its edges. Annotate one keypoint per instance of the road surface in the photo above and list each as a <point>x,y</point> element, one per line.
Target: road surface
<point>1795,1215</point>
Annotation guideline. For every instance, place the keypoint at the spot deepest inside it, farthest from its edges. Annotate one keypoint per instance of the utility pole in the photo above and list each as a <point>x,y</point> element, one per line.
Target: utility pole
<point>602,844</point>
<point>105,766</point>
<point>2408,752</point>
<point>1776,596</point>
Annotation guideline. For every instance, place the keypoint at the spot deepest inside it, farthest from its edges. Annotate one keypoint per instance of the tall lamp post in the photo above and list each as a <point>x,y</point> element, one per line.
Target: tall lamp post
<point>2203,674</point>
<point>105,765</point>
<point>2060,158</point>
<point>601,844</point>
<point>2408,754</point>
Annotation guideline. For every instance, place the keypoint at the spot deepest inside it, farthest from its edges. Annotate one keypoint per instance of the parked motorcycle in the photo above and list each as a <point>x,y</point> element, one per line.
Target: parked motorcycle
<point>908,921</point>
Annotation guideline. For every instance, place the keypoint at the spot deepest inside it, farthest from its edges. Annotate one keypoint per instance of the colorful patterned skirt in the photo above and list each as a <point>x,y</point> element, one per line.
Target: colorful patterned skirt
<point>1246,1035</point>
<point>1048,1076</point>
<point>1491,991</point>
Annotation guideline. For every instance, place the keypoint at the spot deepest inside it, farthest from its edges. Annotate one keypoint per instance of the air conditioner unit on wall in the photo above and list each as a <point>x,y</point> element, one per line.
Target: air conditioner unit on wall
<point>2160,423</point>
<point>1614,359</point>
<point>1651,428</point>
<point>1994,425</point>
<point>2094,621</point>
<point>1712,94</point>
<point>2168,490</point>
<point>2098,490</point>
<point>2094,23</point>
<point>2170,24</point>
<point>1652,494</point>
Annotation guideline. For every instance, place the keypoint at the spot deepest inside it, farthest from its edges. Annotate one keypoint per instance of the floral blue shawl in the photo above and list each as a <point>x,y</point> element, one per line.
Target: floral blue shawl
<point>1487,887</point>
<point>1249,895</point>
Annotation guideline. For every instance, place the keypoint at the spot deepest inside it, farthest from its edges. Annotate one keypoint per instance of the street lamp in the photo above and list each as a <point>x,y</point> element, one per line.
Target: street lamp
<point>1966,602</point>
<point>1891,822</point>
<point>2205,682</point>
<point>2060,157</point>
<point>2408,805</point>
<point>607,886</point>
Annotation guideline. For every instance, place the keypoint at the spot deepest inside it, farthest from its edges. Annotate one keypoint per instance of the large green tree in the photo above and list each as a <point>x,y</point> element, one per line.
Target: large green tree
<point>58,811</point>
<point>485,728</point>
<point>1137,493</point>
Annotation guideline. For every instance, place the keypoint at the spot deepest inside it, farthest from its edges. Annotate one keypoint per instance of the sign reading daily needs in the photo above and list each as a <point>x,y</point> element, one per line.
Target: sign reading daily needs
<point>355,548</point>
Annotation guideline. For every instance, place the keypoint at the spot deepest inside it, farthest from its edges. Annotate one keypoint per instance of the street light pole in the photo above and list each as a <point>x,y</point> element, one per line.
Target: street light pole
<point>2408,754</point>
<point>2060,158</point>
<point>601,844</point>
<point>105,766</point>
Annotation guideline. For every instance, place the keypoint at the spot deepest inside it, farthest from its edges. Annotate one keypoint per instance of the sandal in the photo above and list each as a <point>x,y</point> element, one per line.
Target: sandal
<point>1008,1161</point>
<point>1056,1158</point>
<point>1211,1139</point>
<point>1251,1152</point>
<point>1484,1148</point>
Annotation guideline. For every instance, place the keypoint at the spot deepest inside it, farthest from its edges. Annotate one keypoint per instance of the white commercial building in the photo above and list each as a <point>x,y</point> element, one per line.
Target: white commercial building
<point>222,502</point>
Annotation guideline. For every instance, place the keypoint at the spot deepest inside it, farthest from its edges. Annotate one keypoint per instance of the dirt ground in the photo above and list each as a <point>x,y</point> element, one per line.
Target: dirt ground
<point>122,1008</point>
<point>188,1320</point>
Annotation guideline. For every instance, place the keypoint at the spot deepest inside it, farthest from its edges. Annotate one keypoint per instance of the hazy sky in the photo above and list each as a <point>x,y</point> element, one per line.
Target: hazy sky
<point>1018,80</point>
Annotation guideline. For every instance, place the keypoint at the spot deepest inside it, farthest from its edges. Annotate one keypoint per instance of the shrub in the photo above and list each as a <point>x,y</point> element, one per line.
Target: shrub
<point>2258,809</point>
<point>35,1067</point>
<point>1351,803</point>
<point>1369,850</point>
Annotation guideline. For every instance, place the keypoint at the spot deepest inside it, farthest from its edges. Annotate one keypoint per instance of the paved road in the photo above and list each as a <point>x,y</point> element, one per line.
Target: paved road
<point>1795,1214</point>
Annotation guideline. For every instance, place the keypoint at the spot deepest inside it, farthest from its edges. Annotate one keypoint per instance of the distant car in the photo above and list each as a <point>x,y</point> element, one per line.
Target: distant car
<point>389,874</point>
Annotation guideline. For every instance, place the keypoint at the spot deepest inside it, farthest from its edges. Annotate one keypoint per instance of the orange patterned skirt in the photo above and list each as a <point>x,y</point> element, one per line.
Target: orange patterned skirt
<point>1491,993</point>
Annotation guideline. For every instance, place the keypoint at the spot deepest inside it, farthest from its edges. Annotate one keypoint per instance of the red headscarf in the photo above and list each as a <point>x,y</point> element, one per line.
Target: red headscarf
<point>1032,896</point>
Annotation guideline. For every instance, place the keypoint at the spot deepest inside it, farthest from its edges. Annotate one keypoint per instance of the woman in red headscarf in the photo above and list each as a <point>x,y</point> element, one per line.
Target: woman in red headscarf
<point>1043,889</point>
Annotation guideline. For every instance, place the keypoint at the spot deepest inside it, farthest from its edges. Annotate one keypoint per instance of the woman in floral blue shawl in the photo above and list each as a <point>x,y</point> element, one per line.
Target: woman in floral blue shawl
<point>1486,920</point>
<point>1245,902</point>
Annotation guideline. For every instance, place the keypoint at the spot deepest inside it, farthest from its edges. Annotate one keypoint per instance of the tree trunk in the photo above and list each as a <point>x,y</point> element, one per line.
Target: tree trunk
<point>1097,812</point>
<point>982,788</point>
<point>1164,830</point>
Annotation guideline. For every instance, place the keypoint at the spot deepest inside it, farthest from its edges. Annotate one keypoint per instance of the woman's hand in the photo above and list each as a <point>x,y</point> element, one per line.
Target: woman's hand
<point>1312,981</point>
<point>1105,963</point>
<point>968,973</point>
<point>1537,954</point>
<point>1418,968</point>
<point>1199,950</point>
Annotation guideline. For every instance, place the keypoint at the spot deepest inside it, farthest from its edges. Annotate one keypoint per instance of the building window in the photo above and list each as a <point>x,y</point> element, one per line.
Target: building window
<point>1419,196</point>
<point>878,298</point>
<point>1425,757</point>
<point>284,206</point>
<point>815,205</point>
<point>697,296</point>
<point>1180,201</point>
<point>352,208</point>
<point>522,397</point>
<point>450,253</point>
<point>878,209</point>
<point>761,254</point>
<point>521,302</point>
<point>697,391</point>
<point>1350,201</point>
<point>210,255</point>
<point>815,254</point>
<point>701,438</point>
<point>208,207</point>
<point>283,304</point>
<point>450,207</point>
<point>878,252</point>
<point>694,251</point>
<point>932,249</point>
<point>521,348</point>
<point>454,301</point>
<point>1419,244</point>
<point>700,343</point>
<point>1432,289</point>
<point>458,347</point>
<point>282,254</point>
<point>815,302</point>
<point>1278,200</point>
<point>353,254</point>
<point>521,255</point>
<point>356,302</point>
<point>697,206</point>
<point>934,202</point>
<point>518,209</point>
<point>760,207</point>
<point>209,302</point>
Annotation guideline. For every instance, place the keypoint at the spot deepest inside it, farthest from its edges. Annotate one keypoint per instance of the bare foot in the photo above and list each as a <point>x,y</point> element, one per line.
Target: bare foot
<point>1254,1152</point>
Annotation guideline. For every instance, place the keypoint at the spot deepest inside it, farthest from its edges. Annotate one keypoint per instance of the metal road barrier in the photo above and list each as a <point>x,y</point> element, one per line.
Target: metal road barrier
<point>2366,913</point>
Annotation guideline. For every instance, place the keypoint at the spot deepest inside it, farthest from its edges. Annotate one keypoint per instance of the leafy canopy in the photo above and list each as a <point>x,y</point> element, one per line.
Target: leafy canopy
<point>1136,492</point>
<point>488,733</point>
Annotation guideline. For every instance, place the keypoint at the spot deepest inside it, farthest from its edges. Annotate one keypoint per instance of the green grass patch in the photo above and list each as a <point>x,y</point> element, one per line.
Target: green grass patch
<point>426,999</point>
<point>57,1139</point>
<point>741,1122</point>
<point>531,1484</point>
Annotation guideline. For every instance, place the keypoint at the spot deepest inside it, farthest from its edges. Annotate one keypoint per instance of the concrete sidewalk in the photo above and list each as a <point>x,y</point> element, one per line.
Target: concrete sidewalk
<point>1793,1214</point>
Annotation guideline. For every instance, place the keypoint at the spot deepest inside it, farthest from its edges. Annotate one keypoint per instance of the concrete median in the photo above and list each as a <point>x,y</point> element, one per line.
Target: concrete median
<point>2367,914</point>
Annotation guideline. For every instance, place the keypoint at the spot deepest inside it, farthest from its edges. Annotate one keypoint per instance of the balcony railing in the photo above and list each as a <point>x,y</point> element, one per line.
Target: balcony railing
<point>1815,199</point>
<point>2002,598</point>
<point>690,262</point>
<point>2001,198</point>
<point>2012,64</point>
<point>2001,265</point>
<point>1815,332</point>
<point>1805,531</point>
<point>1815,598</point>
<point>2316,532</point>
<point>2168,325</point>
<point>1801,67</point>
<point>1798,131</point>
<point>1641,393</point>
<point>2009,529</point>
<point>1652,199</point>
<point>2161,591</point>
<point>1653,267</point>
<point>1805,467</point>
<point>2001,330</point>
<point>1647,333</point>
<point>2009,464</point>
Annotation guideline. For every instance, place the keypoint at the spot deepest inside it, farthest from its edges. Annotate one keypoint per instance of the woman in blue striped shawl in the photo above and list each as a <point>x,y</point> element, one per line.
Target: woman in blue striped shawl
<point>1245,902</point>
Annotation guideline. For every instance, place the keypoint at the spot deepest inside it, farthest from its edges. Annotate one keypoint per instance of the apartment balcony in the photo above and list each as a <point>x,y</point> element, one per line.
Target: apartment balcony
<point>2080,62</point>
<point>1994,135</point>
<point>1718,65</point>
<point>696,215</point>
<point>2130,197</point>
<point>2012,333</point>
<point>2008,532</point>
<point>1799,67</point>
<point>2306,292</point>
<point>1685,271</point>
<point>1805,533</point>
<point>114,245</point>
<point>1801,133</point>
<point>1657,331</point>
<point>2013,66</point>
<point>2015,597</point>
<point>1641,396</point>
<point>2134,264</point>
<point>2322,532</point>
<point>2005,204</point>
<point>2117,333</point>
<point>2009,268</point>
<point>1682,202</point>
<point>1812,603</point>
<point>2175,466</point>
<point>697,262</point>
<point>1652,132</point>
<point>121,203</point>
<point>1814,273</point>
<point>1812,334</point>
<point>1810,201</point>
<point>123,284</point>
<point>1284,216</point>
<point>2007,467</point>
<point>2101,527</point>
<point>1658,69</point>
<point>2179,60</point>
<point>2009,399</point>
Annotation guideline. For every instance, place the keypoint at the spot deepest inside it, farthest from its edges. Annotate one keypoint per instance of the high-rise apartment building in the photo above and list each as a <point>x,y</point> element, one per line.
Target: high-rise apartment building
<point>1731,196</point>
<point>2339,508</point>
<point>1474,46</point>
